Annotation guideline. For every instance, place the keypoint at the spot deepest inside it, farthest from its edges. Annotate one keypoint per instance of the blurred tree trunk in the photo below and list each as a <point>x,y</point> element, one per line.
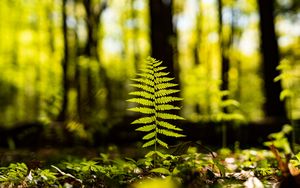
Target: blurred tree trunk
<point>273,107</point>
<point>66,85</point>
<point>135,31</point>
<point>93,15</point>
<point>163,36</point>
<point>224,48</point>
<point>90,51</point>
<point>196,48</point>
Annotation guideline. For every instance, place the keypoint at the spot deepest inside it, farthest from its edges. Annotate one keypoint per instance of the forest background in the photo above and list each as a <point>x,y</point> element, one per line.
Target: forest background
<point>67,64</point>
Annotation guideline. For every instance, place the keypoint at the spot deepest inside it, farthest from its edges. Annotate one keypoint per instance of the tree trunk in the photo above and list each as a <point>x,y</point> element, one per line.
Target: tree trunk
<point>135,31</point>
<point>224,47</point>
<point>90,50</point>
<point>273,107</point>
<point>162,34</point>
<point>66,85</point>
<point>93,15</point>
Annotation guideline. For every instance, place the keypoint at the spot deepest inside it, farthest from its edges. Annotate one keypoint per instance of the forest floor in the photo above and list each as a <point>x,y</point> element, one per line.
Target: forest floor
<point>130,167</point>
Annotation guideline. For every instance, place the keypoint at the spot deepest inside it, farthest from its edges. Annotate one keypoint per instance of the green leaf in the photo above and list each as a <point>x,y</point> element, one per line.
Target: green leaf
<point>162,143</point>
<point>168,125</point>
<point>169,116</point>
<point>148,76</point>
<point>145,102</point>
<point>283,66</point>
<point>144,87</point>
<point>162,80</point>
<point>159,69</point>
<point>224,93</point>
<point>277,78</point>
<point>150,154</point>
<point>286,93</point>
<point>165,92</point>
<point>146,128</point>
<point>143,94</point>
<point>147,71</point>
<point>149,143</point>
<point>161,171</point>
<point>144,81</point>
<point>157,63</point>
<point>167,99</point>
<point>161,74</point>
<point>287,129</point>
<point>149,135</point>
<point>143,110</point>
<point>144,120</point>
<point>170,133</point>
<point>230,102</point>
<point>156,153</point>
<point>163,107</point>
<point>164,86</point>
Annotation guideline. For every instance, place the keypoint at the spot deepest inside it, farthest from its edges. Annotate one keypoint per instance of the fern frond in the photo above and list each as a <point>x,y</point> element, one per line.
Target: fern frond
<point>163,107</point>
<point>149,143</point>
<point>149,135</point>
<point>165,85</point>
<point>159,69</point>
<point>155,97</point>
<point>165,92</point>
<point>169,133</point>
<point>145,81</point>
<point>149,71</point>
<point>143,110</point>
<point>169,116</point>
<point>142,101</point>
<point>146,128</point>
<point>168,125</point>
<point>147,76</point>
<point>143,87</point>
<point>143,94</point>
<point>144,120</point>
<point>167,99</point>
<point>161,74</point>
<point>163,80</point>
<point>157,63</point>
<point>162,143</point>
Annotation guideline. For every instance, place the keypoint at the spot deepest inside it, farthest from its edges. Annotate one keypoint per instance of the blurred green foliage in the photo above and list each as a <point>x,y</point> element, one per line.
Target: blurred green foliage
<point>31,55</point>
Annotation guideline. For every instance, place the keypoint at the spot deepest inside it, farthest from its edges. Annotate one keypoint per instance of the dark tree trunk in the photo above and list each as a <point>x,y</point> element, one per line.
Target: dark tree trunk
<point>162,33</point>
<point>196,48</point>
<point>66,85</point>
<point>223,49</point>
<point>93,15</point>
<point>92,21</point>
<point>198,35</point>
<point>135,32</point>
<point>273,107</point>
<point>164,38</point>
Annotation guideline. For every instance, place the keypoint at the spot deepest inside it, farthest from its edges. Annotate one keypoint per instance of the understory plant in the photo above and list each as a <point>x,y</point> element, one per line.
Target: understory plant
<point>289,77</point>
<point>155,97</point>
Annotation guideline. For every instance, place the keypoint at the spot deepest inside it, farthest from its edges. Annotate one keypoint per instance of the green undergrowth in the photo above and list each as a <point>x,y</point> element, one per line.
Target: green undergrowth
<point>192,169</point>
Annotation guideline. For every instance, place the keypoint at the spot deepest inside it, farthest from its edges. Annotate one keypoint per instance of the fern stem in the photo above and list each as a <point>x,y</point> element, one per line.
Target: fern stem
<point>155,111</point>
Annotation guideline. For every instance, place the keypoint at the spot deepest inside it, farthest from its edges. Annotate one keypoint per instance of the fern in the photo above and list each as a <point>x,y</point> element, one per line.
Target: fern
<point>154,97</point>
